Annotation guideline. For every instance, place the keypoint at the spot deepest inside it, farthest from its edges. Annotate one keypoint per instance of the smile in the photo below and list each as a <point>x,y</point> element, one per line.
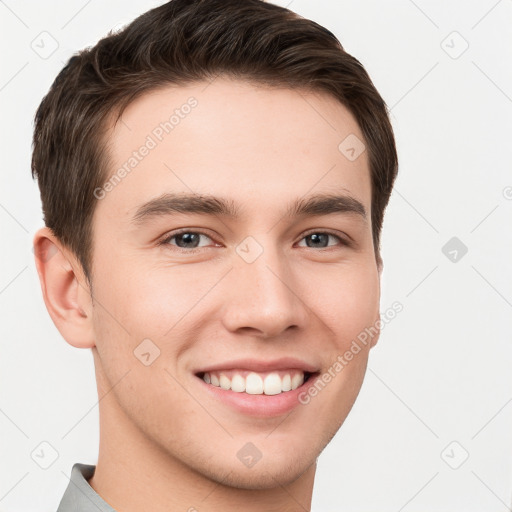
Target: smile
<point>255,387</point>
<point>257,383</point>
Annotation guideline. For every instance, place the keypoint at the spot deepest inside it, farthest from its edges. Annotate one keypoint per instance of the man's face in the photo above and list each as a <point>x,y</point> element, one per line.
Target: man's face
<point>265,292</point>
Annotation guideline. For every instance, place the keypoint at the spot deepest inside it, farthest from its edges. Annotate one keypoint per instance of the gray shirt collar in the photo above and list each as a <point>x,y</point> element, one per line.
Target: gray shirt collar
<point>79,495</point>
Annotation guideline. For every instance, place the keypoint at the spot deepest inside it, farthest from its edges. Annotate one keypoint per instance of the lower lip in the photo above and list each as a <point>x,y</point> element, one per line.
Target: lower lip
<point>261,406</point>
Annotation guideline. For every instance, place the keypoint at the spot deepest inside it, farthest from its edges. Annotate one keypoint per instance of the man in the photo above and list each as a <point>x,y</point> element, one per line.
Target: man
<point>214,179</point>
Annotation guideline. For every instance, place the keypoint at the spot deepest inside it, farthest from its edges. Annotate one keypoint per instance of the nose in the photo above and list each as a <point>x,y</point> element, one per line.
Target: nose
<point>264,298</point>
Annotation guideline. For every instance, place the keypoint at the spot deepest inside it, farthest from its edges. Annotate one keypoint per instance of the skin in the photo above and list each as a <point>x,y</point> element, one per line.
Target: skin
<point>163,441</point>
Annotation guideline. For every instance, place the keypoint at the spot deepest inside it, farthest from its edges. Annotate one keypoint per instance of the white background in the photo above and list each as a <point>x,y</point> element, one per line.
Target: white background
<point>442,370</point>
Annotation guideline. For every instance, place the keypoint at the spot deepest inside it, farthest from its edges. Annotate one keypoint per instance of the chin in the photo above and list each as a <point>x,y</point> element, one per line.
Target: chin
<point>264,474</point>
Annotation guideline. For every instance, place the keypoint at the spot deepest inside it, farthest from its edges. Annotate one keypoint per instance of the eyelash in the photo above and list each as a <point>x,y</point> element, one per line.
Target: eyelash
<point>168,238</point>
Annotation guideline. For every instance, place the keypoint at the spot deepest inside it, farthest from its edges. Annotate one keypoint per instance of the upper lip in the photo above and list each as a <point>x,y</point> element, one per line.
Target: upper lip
<point>258,365</point>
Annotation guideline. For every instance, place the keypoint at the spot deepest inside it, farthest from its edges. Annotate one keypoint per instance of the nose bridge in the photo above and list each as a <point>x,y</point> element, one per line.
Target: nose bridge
<point>265,297</point>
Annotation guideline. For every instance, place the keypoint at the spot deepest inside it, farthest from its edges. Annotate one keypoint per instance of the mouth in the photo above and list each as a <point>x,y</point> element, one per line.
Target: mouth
<point>257,388</point>
<point>250,382</point>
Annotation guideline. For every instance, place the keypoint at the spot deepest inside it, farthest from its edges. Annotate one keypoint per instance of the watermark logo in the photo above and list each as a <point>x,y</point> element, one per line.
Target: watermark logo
<point>44,45</point>
<point>249,249</point>
<point>44,455</point>
<point>454,45</point>
<point>146,352</point>
<point>455,455</point>
<point>454,249</point>
<point>351,147</point>
<point>249,455</point>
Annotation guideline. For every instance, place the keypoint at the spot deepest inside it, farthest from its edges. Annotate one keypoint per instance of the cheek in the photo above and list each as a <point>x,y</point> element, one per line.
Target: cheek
<point>346,300</point>
<point>137,361</point>
<point>140,310</point>
<point>143,301</point>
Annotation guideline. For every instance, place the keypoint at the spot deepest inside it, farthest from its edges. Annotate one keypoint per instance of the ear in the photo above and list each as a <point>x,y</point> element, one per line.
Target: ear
<point>380,266</point>
<point>66,292</point>
<point>376,336</point>
<point>378,322</point>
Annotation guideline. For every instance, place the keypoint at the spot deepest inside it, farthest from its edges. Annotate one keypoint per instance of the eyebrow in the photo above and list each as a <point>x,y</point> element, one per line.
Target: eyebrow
<point>315,205</point>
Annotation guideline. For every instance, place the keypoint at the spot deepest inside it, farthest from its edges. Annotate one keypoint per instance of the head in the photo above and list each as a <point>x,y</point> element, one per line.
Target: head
<point>214,179</point>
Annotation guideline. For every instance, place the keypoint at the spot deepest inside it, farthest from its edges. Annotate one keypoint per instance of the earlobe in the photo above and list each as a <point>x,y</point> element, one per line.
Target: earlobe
<point>65,291</point>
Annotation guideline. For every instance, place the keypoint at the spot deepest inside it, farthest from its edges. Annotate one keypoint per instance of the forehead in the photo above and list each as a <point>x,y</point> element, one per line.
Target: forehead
<point>234,139</point>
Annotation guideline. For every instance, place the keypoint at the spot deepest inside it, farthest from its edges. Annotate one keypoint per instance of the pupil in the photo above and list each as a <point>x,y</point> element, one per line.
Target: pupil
<point>316,237</point>
<point>188,238</point>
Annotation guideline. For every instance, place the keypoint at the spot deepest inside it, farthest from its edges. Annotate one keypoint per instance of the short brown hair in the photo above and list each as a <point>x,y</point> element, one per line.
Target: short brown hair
<point>181,42</point>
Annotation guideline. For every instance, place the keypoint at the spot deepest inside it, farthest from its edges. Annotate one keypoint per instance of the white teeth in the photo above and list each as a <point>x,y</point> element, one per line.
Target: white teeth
<point>272,383</point>
<point>297,380</point>
<point>254,384</point>
<point>224,382</point>
<point>287,383</point>
<point>238,384</point>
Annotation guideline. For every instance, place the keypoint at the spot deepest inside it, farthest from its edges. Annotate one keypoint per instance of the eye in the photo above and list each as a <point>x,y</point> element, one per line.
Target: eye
<point>185,239</point>
<point>189,241</point>
<point>319,239</point>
